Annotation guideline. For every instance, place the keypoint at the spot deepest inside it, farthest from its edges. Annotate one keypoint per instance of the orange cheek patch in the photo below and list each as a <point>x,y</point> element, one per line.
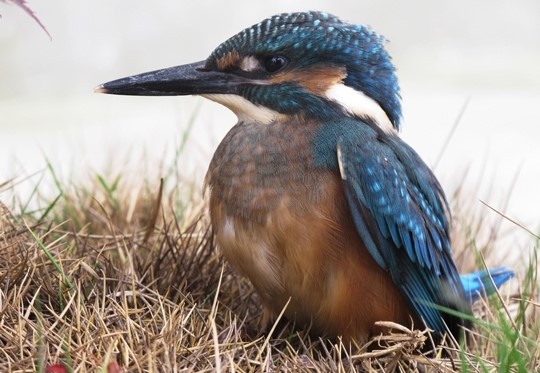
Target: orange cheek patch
<point>231,59</point>
<point>316,80</point>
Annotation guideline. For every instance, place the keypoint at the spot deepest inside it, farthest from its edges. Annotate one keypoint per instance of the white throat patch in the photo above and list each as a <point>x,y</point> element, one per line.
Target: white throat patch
<point>244,109</point>
<point>358,103</point>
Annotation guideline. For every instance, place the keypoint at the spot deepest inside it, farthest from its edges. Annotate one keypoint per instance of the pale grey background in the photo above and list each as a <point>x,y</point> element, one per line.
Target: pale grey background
<point>446,52</point>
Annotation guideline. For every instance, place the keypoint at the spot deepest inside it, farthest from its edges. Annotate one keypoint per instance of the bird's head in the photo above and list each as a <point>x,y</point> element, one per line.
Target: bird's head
<point>305,64</point>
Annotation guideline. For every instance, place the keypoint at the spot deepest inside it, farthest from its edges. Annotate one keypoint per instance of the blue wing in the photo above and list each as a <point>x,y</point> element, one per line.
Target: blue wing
<point>478,283</point>
<point>401,214</point>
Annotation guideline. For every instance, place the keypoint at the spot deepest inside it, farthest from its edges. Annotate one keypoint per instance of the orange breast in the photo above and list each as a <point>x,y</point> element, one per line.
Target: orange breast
<point>317,260</point>
<point>296,242</point>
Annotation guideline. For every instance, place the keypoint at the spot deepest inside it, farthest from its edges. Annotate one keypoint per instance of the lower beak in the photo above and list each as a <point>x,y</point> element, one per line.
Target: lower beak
<point>191,79</point>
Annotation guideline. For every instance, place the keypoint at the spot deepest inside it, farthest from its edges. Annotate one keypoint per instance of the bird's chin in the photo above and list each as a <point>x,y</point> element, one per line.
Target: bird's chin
<point>245,109</point>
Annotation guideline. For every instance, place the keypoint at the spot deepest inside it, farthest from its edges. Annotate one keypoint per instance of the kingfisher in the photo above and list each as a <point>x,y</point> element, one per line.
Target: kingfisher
<point>313,195</point>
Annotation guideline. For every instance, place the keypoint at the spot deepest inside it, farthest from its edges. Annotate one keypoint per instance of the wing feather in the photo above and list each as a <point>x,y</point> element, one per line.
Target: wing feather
<point>401,213</point>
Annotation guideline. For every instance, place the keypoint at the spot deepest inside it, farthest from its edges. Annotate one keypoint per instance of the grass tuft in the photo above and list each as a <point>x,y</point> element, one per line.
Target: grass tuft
<point>116,277</point>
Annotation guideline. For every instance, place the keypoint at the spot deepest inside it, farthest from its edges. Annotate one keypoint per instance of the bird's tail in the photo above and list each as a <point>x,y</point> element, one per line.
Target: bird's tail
<point>484,282</point>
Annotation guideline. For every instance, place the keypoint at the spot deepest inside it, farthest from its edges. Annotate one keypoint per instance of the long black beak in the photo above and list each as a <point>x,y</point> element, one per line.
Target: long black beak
<point>191,79</point>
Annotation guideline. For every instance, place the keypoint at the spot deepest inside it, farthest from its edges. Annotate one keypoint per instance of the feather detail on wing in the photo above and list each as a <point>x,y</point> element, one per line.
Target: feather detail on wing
<point>400,212</point>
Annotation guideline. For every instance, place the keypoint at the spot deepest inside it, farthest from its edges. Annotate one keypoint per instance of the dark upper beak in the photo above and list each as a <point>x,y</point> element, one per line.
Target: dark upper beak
<point>191,79</point>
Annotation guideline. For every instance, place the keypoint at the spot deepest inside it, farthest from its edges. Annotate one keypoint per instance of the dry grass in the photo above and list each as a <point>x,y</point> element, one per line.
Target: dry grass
<point>105,279</point>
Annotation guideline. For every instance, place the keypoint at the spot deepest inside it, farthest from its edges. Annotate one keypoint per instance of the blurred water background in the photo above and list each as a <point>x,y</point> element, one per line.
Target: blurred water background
<point>482,54</point>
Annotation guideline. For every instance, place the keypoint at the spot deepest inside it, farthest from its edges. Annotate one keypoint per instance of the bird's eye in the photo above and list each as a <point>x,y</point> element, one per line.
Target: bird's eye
<point>274,63</point>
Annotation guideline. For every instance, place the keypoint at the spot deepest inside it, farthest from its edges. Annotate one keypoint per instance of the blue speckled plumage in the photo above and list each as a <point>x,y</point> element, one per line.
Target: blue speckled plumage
<point>289,99</point>
<point>400,212</point>
<point>315,38</point>
<point>313,194</point>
